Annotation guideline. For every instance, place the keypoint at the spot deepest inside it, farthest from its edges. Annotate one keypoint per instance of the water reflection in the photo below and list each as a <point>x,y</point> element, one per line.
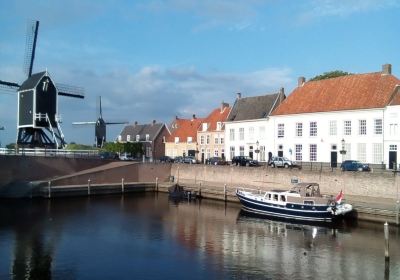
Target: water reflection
<point>150,237</point>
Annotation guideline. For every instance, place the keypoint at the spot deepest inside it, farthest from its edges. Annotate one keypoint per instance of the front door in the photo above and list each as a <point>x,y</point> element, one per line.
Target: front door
<point>280,153</point>
<point>333,159</point>
<point>251,151</point>
<point>392,159</point>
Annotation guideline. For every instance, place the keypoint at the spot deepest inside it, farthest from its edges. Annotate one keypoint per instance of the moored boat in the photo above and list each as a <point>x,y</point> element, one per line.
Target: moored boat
<point>303,202</point>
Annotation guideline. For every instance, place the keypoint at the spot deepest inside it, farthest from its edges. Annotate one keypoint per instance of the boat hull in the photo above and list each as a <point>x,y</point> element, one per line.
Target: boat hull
<point>289,211</point>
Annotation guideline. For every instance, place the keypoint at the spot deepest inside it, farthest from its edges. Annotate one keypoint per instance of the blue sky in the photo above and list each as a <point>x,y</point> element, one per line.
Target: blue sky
<point>157,59</point>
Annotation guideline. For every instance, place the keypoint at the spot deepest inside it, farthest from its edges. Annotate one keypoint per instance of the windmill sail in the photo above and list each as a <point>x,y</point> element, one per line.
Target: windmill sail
<point>30,46</point>
<point>70,91</point>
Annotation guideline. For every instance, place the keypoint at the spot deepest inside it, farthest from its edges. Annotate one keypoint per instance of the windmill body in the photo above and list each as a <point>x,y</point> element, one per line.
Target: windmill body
<point>38,121</point>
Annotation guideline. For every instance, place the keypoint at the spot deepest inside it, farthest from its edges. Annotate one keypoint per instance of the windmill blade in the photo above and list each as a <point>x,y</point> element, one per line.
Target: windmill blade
<point>30,46</point>
<point>117,122</point>
<point>83,123</point>
<point>70,91</point>
<point>101,111</point>
<point>8,86</point>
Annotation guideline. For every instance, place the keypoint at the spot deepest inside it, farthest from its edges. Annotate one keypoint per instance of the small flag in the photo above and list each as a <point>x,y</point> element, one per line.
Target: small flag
<point>339,197</point>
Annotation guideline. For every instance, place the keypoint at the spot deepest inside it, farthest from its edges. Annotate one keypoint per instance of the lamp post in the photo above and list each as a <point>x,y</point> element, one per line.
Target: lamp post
<point>343,151</point>
<point>257,151</point>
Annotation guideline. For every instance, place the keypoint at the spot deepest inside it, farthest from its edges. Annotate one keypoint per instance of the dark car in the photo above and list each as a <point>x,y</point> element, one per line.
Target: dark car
<point>166,159</point>
<point>108,155</point>
<point>244,161</point>
<point>354,165</point>
<point>216,161</point>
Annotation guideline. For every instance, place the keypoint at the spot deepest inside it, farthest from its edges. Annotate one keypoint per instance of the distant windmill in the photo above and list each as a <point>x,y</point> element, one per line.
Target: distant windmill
<point>38,122</point>
<point>100,128</point>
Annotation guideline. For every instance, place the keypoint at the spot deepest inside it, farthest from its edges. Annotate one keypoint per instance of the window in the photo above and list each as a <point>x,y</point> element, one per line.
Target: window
<point>202,139</point>
<point>137,138</point>
<point>299,152</point>
<point>163,139</point>
<point>208,153</point>
<point>222,140</point>
<point>393,129</point>
<point>176,140</point>
<point>148,151</point>
<point>362,127</point>
<point>241,151</point>
<point>208,139</point>
<point>378,126</point>
<point>232,134</point>
<point>251,133</point>
<point>299,129</point>
<point>241,133</point>
<point>147,137</point>
<point>262,153</point>
<point>219,126</point>
<point>128,138</point>
<point>347,148</point>
<point>189,139</point>
<point>377,153</point>
<point>261,132</point>
<point>392,147</point>
<point>215,152</point>
<point>216,137</point>
<point>120,138</point>
<point>281,130</point>
<point>362,152</point>
<point>313,129</point>
<point>204,126</point>
<point>313,152</point>
<point>223,153</point>
<point>347,127</point>
<point>232,151</point>
<point>332,128</point>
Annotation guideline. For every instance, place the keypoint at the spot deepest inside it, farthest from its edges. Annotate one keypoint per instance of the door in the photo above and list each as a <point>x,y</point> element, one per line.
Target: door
<point>280,153</point>
<point>202,157</point>
<point>392,159</point>
<point>333,159</point>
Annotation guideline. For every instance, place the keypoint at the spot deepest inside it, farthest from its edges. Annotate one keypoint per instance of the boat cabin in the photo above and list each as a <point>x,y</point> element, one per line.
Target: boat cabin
<point>306,189</point>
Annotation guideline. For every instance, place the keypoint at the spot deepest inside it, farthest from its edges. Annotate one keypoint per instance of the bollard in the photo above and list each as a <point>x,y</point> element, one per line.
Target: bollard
<point>200,190</point>
<point>397,212</point>
<point>122,185</point>
<point>157,184</point>
<point>225,192</point>
<point>386,233</point>
<point>49,193</point>
<point>88,186</point>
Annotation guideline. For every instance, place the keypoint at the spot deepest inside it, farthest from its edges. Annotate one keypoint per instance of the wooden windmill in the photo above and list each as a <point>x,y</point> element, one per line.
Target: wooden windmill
<point>100,127</point>
<point>38,121</point>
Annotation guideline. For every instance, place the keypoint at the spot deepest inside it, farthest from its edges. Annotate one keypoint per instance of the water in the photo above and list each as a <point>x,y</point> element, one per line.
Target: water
<point>147,236</point>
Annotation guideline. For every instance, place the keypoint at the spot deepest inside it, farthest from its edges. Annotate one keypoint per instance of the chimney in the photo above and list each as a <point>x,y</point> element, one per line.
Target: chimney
<point>154,122</point>
<point>281,95</point>
<point>193,117</point>
<point>386,69</point>
<point>238,95</point>
<point>136,123</point>
<point>301,81</point>
<point>223,106</point>
<point>176,117</point>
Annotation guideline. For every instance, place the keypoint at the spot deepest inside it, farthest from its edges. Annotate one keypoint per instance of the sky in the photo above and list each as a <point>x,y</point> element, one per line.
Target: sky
<point>154,60</point>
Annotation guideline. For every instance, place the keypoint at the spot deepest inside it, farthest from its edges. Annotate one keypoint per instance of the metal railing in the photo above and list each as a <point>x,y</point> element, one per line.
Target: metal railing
<point>40,152</point>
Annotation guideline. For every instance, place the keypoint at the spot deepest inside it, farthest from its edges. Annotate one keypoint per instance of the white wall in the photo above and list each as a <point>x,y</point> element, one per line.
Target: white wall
<point>392,132</point>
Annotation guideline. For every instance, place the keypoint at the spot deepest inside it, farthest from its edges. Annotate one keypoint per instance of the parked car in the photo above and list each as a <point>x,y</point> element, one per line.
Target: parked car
<point>189,159</point>
<point>178,159</point>
<point>166,159</point>
<point>282,162</point>
<point>125,157</point>
<point>108,155</point>
<point>244,161</point>
<point>216,161</point>
<point>354,165</point>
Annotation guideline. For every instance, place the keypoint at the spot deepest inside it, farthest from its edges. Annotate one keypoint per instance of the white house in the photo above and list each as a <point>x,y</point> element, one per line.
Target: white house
<point>349,117</point>
<point>247,129</point>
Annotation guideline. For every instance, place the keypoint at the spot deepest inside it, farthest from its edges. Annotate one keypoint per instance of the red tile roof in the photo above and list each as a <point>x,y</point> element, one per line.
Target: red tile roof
<point>216,116</point>
<point>184,128</point>
<point>359,91</point>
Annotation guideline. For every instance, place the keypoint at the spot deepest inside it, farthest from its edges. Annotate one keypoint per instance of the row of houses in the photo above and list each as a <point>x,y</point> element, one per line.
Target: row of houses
<point>349,117</point>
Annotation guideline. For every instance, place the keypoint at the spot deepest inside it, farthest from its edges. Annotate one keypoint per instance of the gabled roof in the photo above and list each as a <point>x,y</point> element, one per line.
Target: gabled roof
<point>184,128</point>
<point>255,107</point>
<point>142,129</point>
<point>352,92</point>
<point>32,81</point>
<point>217,115</point>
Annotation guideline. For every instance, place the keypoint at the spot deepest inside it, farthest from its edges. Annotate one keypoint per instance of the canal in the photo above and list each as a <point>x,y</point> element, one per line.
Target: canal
<point>148,236</point>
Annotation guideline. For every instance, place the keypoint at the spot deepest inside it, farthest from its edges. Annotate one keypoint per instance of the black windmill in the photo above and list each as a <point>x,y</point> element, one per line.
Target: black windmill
<point>38,121</point>
<point>100,127</point>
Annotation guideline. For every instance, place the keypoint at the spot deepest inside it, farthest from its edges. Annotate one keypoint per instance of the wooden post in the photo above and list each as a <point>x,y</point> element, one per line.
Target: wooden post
<point>49,193</point>
<point>200,190</point>
<point>88,186</point>
<point>386,233</point>
<point>157,184</point>
<point>122,185</point>
<point>225,192</point>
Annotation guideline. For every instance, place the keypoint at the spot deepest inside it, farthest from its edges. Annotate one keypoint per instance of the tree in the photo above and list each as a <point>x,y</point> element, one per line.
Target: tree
<point>330,74</point>
<point>135,149</point>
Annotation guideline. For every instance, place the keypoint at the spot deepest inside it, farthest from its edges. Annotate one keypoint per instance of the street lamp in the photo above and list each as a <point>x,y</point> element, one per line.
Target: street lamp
<point>257,151</point>
<point>343,151</point>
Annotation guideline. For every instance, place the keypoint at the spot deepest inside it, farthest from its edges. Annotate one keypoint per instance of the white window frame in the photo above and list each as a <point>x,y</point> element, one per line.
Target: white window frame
<point>241,133</point>
<point>189,139</point>
<point>299,129</point>
<point>232,151</point>
<point>362,152</point>
<point>281,130</point>
<point>176,140</point>
<point>347,127</point>
<point>333,128</point>
<point>362,127</point>
<point>313,129</point>
<point>241,151</point>
<point>128,138</point>
<point>377,153</point>
<point>202,140</point>
<point>313,152</point>
<point>137,138</point>
<point>299,152</point>
<point>147,137</point>
<point>378,126</point>
<point>232,134</point>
